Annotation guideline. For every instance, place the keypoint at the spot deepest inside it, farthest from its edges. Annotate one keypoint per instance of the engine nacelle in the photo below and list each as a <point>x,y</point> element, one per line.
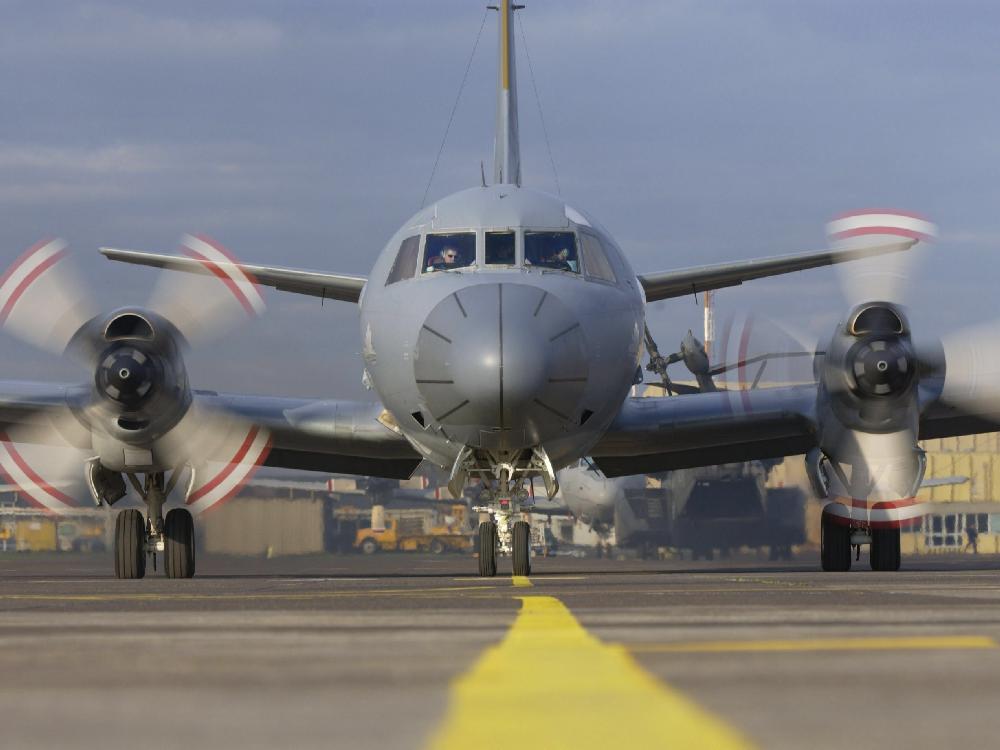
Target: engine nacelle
<point>140,389</point>
<point>870,371</point>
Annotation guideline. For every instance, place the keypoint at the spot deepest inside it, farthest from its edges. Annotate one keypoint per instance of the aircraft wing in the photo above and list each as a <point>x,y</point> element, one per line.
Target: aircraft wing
<point>336,286</point>
<point>684,281</point>
<point>346,437</point>
<point>30,412</point>
<point>315,435</point>
<point>679,432</point>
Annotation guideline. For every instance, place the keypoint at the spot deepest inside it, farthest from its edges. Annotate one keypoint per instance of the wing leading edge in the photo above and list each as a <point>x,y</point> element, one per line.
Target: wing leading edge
<point>344,287</point>
<point>668,284</point>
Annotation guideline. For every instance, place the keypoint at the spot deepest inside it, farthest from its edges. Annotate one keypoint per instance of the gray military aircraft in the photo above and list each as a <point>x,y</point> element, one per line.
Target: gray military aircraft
<point>502,329</point>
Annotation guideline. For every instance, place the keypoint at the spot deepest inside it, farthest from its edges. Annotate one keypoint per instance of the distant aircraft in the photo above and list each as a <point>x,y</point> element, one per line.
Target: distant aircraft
<point>501,329</point>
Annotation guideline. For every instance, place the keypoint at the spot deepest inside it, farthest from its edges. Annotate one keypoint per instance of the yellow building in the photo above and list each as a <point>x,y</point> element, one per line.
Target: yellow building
<point>964,478</point>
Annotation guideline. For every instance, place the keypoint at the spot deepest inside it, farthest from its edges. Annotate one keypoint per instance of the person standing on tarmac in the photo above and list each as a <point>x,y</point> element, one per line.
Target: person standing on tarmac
<point>972,533</point>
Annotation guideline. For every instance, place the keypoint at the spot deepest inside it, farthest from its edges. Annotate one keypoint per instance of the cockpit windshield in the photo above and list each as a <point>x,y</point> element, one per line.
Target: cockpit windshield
<point>499,248</point>
<point>555,250</point>
<point>445,252</point>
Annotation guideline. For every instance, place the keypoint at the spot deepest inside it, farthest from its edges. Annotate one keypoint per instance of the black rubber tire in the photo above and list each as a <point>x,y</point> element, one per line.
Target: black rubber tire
<point>521,552</point>
<point>130,544</point>
<point>369,546</point>
<point>885,552</point>
<point>178,548</point>
<point>437,547</point>
<point>835,543</point>
<point>487,549</point>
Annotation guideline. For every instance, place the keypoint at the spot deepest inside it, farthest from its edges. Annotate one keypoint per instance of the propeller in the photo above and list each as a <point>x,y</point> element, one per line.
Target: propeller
<point>873,385</point>
<point>135,414</point>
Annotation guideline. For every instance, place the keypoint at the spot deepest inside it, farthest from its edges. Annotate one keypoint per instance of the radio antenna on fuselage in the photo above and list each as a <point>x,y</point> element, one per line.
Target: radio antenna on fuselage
<point>507,146</point>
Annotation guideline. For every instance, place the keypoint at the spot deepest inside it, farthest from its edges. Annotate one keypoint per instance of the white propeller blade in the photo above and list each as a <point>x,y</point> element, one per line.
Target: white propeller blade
<point>203,306</point>
<point>42,298</point>
<point>884,277</point>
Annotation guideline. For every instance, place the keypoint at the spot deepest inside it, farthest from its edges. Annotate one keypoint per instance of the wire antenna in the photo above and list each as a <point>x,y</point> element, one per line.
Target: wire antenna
<point>538,100</point>
<point>454,108</point>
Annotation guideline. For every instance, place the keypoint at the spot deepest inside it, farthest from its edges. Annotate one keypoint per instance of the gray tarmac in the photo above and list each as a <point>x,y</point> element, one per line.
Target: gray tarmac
<point>358,652</point>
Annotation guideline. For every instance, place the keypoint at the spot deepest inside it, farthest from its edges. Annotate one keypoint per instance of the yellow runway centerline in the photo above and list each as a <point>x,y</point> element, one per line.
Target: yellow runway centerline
<point>521,581</point>
<point>903,643</point>
<point>550,684</point>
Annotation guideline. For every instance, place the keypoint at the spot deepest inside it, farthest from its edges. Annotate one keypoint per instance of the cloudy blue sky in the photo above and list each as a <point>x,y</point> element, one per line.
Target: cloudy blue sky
<point>303,134</point>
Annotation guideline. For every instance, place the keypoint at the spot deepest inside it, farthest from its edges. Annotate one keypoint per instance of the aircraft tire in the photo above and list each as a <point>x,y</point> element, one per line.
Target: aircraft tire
<point>885,552</point>
<point>178,551</point>
<point>522,549</point>
<point>487,549</point>
<point>130,544</point>
<point>835,543</point>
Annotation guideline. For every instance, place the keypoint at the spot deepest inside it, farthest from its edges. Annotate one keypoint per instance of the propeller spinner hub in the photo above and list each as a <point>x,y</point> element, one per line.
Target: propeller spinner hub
<point>127,375</point>
<point>881,367</point>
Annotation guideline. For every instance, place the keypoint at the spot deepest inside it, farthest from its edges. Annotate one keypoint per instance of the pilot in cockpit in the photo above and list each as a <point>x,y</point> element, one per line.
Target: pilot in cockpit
<point>448,258</point>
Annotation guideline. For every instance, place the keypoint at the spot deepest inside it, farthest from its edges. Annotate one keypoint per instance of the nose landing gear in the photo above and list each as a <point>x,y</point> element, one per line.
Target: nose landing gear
<point>505,495</point>
<point>503,537</point>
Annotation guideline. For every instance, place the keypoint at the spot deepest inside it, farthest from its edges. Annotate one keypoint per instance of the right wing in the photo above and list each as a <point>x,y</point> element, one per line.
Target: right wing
<point>334,286</point>
<point>337,437</point>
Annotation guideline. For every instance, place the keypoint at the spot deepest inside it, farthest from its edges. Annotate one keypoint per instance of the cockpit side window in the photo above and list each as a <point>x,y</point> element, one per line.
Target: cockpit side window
<point>555,250</point>
<point>445,252</point>
<point>405,266</point>
<point>499,248</point>
<point>595,261</point>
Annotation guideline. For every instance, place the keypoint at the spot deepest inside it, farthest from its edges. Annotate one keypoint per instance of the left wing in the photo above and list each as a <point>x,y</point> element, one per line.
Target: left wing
<point>679,432</point>
<point>678,283</point>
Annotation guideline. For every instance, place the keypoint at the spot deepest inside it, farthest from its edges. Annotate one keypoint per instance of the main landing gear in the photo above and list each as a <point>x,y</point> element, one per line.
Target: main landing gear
<point>839,537</point>
<point>140,539</point>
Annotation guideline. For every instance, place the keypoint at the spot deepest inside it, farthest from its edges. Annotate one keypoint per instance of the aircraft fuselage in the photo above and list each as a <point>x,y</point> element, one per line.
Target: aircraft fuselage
<point>532,343</point>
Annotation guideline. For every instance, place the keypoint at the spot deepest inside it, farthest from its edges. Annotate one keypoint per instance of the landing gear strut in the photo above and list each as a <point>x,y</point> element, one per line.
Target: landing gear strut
<point>505,494</point>
<point>137,538</point>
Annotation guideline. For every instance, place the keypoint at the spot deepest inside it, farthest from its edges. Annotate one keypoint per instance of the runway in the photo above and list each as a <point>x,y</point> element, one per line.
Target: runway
<point>412,651</point>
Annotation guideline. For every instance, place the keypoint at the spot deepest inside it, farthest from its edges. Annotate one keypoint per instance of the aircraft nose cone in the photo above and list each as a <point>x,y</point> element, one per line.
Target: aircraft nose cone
<point>501,366</point>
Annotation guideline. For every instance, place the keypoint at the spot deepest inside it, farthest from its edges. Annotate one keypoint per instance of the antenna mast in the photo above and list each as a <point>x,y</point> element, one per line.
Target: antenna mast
<point>709,322</point>
<point>507,147</point>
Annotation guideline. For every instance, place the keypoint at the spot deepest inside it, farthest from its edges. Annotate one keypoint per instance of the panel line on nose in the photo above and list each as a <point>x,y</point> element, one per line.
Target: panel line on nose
<point>551,409</point>
<point>563,333</point>
<point>439,335</point>
<point>451,411</point>
<point>540,303</point>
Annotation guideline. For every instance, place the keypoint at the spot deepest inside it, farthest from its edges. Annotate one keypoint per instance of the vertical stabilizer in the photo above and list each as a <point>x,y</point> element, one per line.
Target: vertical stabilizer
<point>507,149</point>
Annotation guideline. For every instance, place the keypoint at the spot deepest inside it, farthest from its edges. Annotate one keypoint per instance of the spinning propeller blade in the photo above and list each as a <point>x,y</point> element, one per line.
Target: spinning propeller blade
<point>137,413</point>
